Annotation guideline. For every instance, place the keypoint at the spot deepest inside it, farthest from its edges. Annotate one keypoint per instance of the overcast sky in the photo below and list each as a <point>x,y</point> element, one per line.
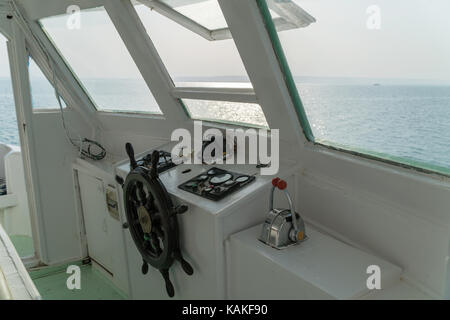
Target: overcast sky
<point>411,44</point>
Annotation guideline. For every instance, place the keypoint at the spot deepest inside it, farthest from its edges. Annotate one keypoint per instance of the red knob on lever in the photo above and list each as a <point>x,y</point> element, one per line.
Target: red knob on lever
<point>282,185</point>
<point>275,182</point>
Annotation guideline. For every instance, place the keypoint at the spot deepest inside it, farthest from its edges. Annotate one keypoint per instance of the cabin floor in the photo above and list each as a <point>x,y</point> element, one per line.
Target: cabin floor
<point>51,283</point>
<point>23,244</point>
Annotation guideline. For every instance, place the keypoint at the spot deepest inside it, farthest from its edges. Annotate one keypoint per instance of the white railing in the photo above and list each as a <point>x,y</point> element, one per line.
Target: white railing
<point>15,282</point>
<point>14,211</point>
<point>5,293</point>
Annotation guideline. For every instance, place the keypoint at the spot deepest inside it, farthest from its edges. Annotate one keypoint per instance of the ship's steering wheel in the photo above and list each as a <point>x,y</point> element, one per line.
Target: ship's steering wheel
<point>152,219</point>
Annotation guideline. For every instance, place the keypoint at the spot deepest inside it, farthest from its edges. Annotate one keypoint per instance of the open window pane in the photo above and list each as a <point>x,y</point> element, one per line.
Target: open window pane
<point>205,12</point>
<point>189,57</point>
<point>376,79</point>
<point>101,61</point>
<point>228,112</point>
<point>42,92</point>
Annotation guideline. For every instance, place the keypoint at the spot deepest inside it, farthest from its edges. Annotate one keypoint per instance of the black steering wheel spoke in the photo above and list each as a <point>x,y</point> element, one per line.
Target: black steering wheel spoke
<point>141,195</point>
<point>151,207</point>
<point>134,200</point>
<point>146,243</point>
<point>135,222</point>
<point>159,232</point>
<point>155,243</point>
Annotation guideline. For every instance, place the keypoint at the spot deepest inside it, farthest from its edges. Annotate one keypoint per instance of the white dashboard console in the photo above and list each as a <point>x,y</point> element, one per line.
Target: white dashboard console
<point>203,229</point>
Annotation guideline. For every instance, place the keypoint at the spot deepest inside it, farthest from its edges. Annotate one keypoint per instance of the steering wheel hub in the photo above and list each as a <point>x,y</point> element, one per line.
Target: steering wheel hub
<point>144,219</point>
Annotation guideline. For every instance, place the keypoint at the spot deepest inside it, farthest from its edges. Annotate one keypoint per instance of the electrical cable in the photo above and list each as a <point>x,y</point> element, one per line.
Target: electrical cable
<point>86,152</point>
<point>85,146</point>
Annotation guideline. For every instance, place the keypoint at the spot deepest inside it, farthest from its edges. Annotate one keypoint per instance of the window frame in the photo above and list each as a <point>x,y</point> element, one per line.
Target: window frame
<point>40,47</point>
<point>290,83</point>
<point>238,95</point>
<point>216,94</point>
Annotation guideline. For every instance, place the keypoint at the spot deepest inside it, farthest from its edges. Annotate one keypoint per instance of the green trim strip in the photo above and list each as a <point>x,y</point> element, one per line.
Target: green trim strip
<point>386,158</point>
<point>292,88</point>
<point>185,109</point>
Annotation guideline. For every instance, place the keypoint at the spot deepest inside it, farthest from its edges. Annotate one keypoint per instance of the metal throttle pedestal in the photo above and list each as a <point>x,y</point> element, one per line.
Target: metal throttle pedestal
<point>282,227</point>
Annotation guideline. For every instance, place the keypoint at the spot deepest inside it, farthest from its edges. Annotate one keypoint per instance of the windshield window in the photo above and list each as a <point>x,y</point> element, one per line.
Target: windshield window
<point>101,61</point>
<point>42,91</point>
<point>376,78</point>
<point>194,61</point>
<point>190,58</point>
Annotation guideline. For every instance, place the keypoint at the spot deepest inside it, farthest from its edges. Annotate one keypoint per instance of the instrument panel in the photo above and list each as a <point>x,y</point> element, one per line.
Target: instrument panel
<point>215,184</point>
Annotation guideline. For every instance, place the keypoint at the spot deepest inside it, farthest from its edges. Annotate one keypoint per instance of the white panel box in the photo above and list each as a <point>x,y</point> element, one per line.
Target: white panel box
<point>319,268</point>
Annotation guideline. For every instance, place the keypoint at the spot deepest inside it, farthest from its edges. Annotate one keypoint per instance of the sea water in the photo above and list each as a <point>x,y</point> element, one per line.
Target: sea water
<point>8,123</point>
<point>407,121</point>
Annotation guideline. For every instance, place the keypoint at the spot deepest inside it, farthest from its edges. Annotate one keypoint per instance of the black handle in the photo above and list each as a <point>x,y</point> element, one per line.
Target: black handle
<point>144,268</point>
<point>155,161</point>
<point>181,209</point>
<point>186,266</point>
<point>169,286</point>
<point>130,152</point>
<point>120,180</point>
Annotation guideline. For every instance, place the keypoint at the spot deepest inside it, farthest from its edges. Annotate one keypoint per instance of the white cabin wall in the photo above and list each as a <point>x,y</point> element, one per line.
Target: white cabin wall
<point>398,214</point>
<point>16,219</point>
<point>54,156</point>
<point>4,150</point>
<point>144,132</point>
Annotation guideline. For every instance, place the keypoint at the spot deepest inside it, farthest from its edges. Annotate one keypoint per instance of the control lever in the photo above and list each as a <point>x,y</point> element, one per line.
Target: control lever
<point>130,152</point>
<point>282,227</point>
<point>282,185</point>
